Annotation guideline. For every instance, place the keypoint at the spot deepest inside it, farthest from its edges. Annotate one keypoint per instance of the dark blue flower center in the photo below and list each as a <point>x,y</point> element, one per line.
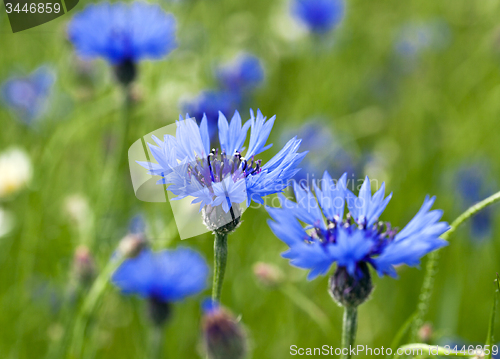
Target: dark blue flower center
<point>216,167</point>
<point>380,233</point>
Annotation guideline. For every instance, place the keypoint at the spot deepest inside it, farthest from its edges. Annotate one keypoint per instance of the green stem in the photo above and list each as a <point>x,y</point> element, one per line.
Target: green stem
<point>470,212</point>
<point>349,329</point>
<point>425,294</point>
<point>156,344</point>
<point>116,168</point>
<point>220,259</point>
<point>432,263</point>
<point>89,304</point>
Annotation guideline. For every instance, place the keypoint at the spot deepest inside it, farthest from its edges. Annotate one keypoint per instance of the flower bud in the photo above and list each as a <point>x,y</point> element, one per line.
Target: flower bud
<point>84,270</point>
<point>223,335</point>
<point>131,245</point>
<point>425,333</point>
<point>349,291</point>
<point>158,311</point>
<point>79,212</point>
<point>217,220</point>
<point>267,274</point>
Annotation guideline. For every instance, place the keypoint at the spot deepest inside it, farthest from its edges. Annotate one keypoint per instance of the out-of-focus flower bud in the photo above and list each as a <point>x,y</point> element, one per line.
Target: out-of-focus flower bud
<point>349,291</point>
<point>15,171</point>
<point>268,274</point>
<point>223,335</point>
<point>132,244</point>
<point>84,270</point>
<point>425,333</point>
<point>78,210</point>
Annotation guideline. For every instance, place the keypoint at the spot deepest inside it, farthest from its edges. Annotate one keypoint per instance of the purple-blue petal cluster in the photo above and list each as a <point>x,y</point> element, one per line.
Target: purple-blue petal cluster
<point>236,82</point>
<point>244,74</point>
<point>166,276</point>
<point>122,32</point>
<point>230,174</point>
<point>209,103</point>
<point>320,16</point>
<point>28,97</point>
<point>473,183</point>
<point>359,237</point>
<point>316,137</point>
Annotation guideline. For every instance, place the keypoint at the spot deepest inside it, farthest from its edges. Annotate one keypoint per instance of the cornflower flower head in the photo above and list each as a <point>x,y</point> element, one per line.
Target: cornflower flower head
<point>29,96</point>
<point>353,242</point>
<point>243,74</point>
<point>473,183</point>
<point>210,103</point>
<point>319,16</point>
<point>316,136</point>
<point>418,38</point>
<point>162,278</point>
<point>123,34</point>
<point>222,179</point>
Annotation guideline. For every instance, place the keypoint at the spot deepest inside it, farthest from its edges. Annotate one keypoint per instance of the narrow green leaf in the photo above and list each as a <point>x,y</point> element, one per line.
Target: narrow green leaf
<point>491,326</point>
<point>402,331</point>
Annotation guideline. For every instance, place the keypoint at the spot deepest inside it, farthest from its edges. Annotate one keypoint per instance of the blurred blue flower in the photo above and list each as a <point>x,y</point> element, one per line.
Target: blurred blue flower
<point>495,350</point>
<point>473,185</point>
<point>223,177</point>
<point>210,103</point>
<point>236,81</point>
<point>137,224</point>
<point>414,37</point>
<point>320,16</point>
<point>165,276</point>
<point>29,96</point>
<point>324,150</point>
<point>356,239</point>
<point>242,75</point>
<point>121,32</point>
<point>209,306</point>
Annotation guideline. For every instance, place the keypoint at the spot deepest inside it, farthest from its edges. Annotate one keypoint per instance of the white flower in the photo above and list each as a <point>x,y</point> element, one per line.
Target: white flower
<point>6,222</point>
<point>15,171</point>
<point>78,209</point>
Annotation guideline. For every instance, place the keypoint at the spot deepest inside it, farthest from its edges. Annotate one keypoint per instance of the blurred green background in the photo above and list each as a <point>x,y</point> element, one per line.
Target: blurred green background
<point>421,117</point>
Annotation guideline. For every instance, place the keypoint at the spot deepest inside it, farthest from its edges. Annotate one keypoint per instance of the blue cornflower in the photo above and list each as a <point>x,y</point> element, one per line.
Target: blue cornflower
<point>242,75</point>
<point>166,276</point>
<point>316,136</point>
<point>29,96</point>
<point>320,16</point>
<point>473,184</point>
<point>137,224</point>
<point>356,241</point>
<point>414,37</point>
<point>121,32</point>
<point>223,177</point>
<point>209,104</point>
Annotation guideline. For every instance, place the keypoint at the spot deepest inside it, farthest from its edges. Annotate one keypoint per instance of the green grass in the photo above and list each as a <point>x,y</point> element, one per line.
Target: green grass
<point>427,122</point>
